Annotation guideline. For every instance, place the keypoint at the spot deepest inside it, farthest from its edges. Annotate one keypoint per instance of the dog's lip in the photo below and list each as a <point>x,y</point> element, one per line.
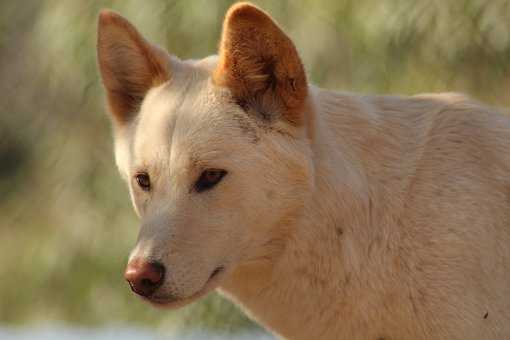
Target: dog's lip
<point>211,284</point>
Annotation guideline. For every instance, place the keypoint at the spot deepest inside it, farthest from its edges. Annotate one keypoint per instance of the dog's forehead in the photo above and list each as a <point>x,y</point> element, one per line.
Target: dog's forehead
<point>188,115</point>
<point>162,104</point>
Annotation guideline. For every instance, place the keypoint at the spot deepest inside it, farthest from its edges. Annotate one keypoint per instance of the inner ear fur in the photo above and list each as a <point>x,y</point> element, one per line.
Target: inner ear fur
<point>129,65</point>
<point>260,65</point>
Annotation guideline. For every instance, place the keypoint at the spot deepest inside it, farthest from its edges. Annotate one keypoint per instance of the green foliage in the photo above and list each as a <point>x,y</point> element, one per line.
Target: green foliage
<point>66,223</point>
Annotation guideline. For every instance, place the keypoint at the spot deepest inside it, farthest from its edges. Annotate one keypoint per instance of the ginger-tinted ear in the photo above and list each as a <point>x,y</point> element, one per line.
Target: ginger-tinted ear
<point>129,65</point>
<point>260,65</point>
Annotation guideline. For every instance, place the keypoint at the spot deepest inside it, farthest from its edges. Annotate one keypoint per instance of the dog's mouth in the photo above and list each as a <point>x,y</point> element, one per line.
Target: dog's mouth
<point>176,302</point>
<point>215,273</point>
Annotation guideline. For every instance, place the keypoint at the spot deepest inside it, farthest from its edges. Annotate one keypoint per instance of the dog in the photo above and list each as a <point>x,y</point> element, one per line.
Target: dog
<point>324,215</point>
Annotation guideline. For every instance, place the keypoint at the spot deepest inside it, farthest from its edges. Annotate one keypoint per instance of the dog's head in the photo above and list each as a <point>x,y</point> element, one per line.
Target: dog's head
<point>215,152</point>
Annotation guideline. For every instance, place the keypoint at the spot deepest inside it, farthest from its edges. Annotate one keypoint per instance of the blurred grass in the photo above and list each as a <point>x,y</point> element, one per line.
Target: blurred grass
<point>66,224</point>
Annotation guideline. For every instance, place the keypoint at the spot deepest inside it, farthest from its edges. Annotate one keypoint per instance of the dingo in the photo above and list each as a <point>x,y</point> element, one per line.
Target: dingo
<point>324,215</point>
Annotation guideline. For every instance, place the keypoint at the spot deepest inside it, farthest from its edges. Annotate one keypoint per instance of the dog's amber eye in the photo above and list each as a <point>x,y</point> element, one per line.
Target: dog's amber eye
<point>209,178</point>
<point>143,181</point>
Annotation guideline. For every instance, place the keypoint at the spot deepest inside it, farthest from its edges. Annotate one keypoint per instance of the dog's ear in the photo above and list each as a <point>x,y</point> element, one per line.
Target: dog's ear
<point>129,64</point>
<point>260,65</point>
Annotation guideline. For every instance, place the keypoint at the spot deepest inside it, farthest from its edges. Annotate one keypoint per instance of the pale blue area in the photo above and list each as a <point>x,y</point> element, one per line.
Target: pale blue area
<point>120,332</point>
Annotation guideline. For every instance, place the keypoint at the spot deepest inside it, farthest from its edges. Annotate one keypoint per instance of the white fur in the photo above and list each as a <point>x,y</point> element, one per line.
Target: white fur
<point>391,221</point>
<point>365,217</point>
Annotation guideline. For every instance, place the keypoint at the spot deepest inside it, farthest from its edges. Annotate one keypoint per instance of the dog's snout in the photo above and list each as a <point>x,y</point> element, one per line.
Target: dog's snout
<point>144,277</point>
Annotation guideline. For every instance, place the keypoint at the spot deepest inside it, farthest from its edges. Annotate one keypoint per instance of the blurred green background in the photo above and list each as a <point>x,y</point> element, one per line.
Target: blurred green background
<point>66,223</point>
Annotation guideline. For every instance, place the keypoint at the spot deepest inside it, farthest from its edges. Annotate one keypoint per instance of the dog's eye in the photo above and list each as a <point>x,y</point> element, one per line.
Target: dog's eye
<point>209,178</point>
<point>143,181</point>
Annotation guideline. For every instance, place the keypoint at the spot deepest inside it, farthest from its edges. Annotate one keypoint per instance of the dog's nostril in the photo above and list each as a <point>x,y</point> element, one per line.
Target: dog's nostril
<point>146,282</point>
<point>144,277</point>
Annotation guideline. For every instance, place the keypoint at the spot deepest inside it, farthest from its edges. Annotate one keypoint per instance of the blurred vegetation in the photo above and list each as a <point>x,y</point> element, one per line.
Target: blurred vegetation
<point>66,224</point>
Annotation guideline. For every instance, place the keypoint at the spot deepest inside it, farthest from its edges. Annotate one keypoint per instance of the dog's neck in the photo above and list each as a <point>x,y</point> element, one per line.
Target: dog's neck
<point>326,269</point>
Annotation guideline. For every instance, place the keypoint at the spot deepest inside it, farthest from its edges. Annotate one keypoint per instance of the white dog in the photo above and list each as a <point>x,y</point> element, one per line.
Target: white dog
<point>324,215</point>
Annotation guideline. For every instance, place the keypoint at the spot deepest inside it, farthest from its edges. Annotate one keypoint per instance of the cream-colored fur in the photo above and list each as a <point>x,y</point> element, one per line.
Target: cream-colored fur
<point>410,241</point>
<point>376,218</point>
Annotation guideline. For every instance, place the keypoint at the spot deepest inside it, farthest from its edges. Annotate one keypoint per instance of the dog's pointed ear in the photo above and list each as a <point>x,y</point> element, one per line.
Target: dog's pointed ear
<point>129,64</point>
<point>260,65</point>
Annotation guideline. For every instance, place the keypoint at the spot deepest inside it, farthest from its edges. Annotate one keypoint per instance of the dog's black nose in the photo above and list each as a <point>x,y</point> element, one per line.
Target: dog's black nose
<point>144,277</point>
